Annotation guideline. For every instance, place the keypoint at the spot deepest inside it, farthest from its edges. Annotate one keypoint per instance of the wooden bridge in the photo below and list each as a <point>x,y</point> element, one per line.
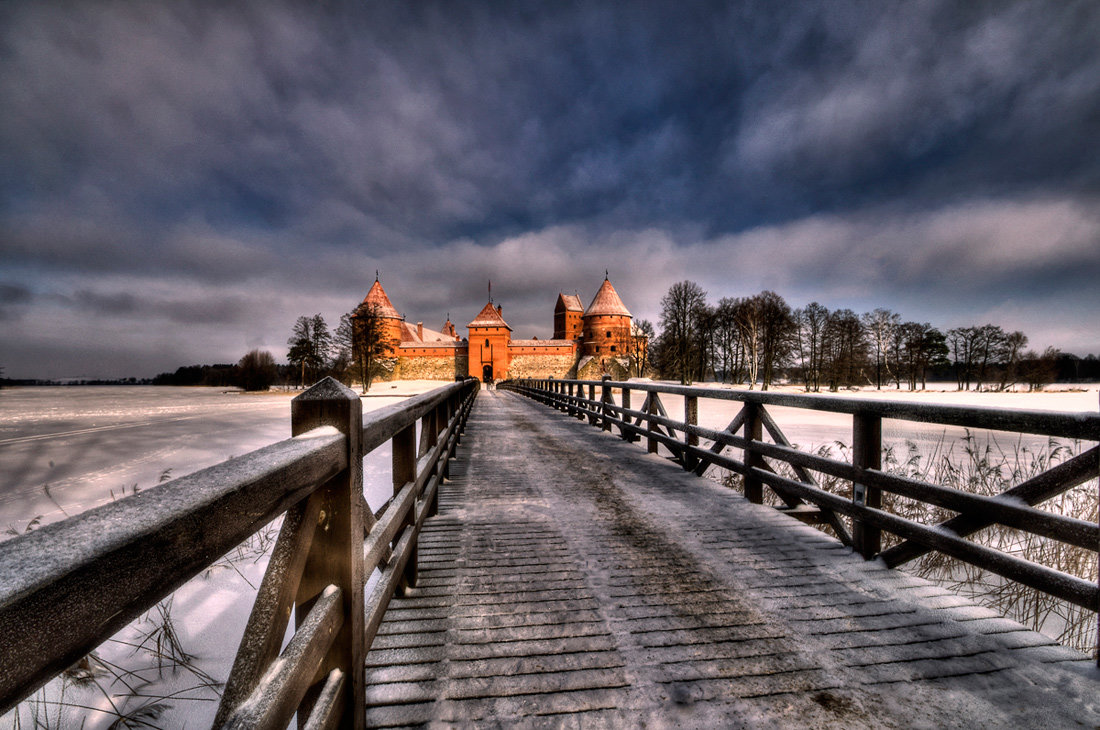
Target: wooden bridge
<point>544,573</point>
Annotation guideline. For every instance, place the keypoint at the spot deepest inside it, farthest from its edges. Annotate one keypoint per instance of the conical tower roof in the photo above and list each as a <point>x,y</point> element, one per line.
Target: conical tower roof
<point>376,297</point>
<point>489,317</point>
<point>607,302</point>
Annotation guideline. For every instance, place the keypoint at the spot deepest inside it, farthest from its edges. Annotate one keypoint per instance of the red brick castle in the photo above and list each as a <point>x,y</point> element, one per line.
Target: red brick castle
<point>587,343</point>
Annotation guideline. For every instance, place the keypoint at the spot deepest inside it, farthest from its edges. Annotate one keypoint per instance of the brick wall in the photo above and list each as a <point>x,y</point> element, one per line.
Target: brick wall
<point>559,365</point>
<point>430,368</point>
<point>593,368</point>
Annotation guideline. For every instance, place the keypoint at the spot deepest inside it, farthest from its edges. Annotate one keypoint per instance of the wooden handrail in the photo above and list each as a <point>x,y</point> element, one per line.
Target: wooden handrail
<point>70,585</point>
<point>1014,508</point>
<point>1084,426</point>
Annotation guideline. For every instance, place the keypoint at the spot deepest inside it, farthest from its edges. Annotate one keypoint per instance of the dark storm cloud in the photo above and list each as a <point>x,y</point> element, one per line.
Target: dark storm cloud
<point>281,152</point>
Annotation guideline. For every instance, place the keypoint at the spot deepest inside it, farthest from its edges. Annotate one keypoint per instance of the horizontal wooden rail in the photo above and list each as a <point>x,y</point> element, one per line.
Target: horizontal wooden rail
<point>1013,508</point>
<point>1084,426</point>
<point>68,586</point>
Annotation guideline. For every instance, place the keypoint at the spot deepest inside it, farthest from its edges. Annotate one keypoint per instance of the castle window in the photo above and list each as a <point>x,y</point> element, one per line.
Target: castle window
<point>613,348</point>
<point>486,341</point>
<point>609,333</point>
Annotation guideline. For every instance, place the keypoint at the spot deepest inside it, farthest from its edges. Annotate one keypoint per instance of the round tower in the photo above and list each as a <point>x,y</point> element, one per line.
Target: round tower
<point>606,328</point>
<point>392,322</point>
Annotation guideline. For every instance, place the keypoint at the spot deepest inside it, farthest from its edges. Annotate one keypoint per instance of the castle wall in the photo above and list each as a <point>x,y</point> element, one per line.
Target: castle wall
<point>431,367</point>
<point>594,368</point>
<point>553,363</point>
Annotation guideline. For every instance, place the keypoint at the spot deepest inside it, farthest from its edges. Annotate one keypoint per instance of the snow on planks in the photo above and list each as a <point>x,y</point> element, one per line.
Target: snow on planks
<point>571,579</point>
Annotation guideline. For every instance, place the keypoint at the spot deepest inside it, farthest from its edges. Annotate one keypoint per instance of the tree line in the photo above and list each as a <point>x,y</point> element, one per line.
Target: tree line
<point>355,351</point>
<point>756,340</point>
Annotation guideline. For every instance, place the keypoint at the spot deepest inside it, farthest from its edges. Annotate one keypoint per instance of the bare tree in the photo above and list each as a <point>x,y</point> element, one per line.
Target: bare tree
<point>728,341</point>
<point>680,308</point>
<point>880,326</point>
<point>811,322</point>
<point>1038,370</point>
<point>641,338</point>
<point>257,370</point>
<point>845,349</point>
<point>747,317</point>
<point>1011,349</point>
<point>371,343</point>
<point>767,330</point>
<point>310,346</point>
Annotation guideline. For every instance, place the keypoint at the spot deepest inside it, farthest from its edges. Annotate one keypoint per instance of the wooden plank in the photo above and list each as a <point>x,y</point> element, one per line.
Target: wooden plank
<point>326,711</point>
<point>270,615</point>
<point>285,684</point>
<point>718,445</point>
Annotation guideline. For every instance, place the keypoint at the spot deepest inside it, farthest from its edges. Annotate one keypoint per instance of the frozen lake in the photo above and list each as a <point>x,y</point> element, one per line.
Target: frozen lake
<point>67,449</point>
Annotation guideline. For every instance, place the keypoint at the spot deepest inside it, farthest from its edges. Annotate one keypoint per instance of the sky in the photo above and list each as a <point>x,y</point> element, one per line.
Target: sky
<point>181,181</point>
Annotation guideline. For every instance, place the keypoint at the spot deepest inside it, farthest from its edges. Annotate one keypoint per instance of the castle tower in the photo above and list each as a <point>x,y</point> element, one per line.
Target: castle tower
<point>606,324</point>
<point>449,329</point>
<point>568,314</point>
<point>393,325</point>
<point>489,338</point>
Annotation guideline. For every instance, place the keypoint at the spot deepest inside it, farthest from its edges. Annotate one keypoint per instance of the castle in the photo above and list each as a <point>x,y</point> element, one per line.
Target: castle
<point>587,343</point>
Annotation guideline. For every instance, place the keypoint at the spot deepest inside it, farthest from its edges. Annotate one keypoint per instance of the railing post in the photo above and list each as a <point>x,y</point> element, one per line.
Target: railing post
<point>753,431</point>
<point>592,399</point>
<point>336,552</point>
<point>651,409</point>
<point>404,471</point>
<point>623,431</point>
<point>605,399</point>
<point>866,454</point>
<point>691,418</point>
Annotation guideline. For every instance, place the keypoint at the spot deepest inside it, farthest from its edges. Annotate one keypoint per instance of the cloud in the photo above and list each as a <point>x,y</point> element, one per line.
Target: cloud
<point>216,170</point>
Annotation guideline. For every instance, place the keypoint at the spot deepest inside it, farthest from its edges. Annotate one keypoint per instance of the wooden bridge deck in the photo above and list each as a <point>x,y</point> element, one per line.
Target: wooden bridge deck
<point>571,580</point>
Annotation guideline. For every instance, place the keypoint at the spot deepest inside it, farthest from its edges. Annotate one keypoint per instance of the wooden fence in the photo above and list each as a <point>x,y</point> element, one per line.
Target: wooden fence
<point>67,587</point>
<point>803,498</point>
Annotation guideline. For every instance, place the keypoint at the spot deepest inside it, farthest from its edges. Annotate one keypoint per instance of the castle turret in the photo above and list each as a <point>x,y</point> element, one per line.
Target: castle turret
<point>449,329</point>
<point>377,301</point>
<point>568,317</point>
<point>490,336</point>
<point>606,324</point>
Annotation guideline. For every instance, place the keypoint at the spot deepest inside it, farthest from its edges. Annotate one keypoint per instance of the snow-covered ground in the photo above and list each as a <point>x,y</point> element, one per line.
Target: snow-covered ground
<point>67,449</point>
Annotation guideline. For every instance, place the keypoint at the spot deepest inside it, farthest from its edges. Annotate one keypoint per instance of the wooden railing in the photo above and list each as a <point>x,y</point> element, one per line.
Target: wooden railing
<point>803,498</point>
<point>67,587</point>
